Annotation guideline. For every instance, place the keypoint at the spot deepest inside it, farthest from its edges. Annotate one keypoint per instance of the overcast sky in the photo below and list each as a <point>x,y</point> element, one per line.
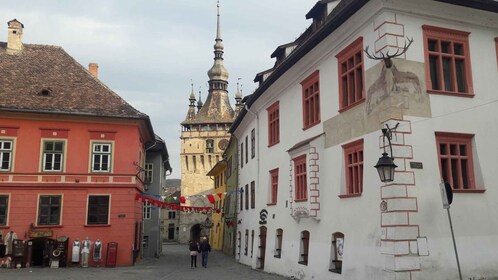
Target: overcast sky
<point>148,51</point>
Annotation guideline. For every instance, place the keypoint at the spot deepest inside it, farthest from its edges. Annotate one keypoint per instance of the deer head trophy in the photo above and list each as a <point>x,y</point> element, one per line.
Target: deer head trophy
<point>387,57</point>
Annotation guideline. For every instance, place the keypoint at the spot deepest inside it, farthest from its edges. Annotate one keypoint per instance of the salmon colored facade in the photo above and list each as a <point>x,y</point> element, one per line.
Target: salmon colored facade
<point>26,182</point>
<point>72,156</point>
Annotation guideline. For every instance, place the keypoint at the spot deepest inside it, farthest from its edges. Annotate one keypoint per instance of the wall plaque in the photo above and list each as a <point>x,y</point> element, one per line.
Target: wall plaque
<point>416,165</point>
<point>34,233</point>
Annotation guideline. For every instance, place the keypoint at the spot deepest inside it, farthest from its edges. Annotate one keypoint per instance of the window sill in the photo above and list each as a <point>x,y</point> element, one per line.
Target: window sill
<point>303,263</point>
<point>451,93</point>
<point>47,226</point>
<point>344,109</point>
<point>301,200</point>
<point>311,125</point>
<point>4,227</point>
<point>349,195</point>
<point>106,225</point>
<point>470,191</point>
<point>277,256</point>
<point>273,144</point>
<point>335,270</point>
<point>271,204</point>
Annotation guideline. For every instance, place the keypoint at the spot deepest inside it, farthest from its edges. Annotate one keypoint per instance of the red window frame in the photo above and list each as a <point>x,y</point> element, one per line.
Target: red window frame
<point>496,45</point>
<point>273,186</point>
<point>353,159</point>
<point>456,165</point>
<point>351,75</point>
<point>301,188</point>
<point>447,61</point>
<point>311,100</point>
<point>273,124</point>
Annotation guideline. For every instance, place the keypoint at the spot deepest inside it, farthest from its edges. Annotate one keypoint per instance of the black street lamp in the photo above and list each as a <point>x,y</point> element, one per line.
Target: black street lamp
<point>385,166</point>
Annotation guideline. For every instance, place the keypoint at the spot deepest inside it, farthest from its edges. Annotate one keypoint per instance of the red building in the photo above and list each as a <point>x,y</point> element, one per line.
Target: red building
<point>71,155</point>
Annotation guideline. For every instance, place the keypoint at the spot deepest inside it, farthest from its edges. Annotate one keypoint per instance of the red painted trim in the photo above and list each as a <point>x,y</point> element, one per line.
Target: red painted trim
<point>273,134</point>
<point>459,139</point>
<point>470,191</point>
<point>496,45</point>
<point>10,131</point>
<point>49,133</point>
<point>350,51</point>
<point>445,34</point>
<point>311,113</point>
<point>349,195</point>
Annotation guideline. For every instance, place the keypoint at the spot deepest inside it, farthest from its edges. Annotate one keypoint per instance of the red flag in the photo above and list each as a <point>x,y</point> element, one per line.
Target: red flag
<point>137,196</point>
<point>182,199</point>
<point>211,198</point>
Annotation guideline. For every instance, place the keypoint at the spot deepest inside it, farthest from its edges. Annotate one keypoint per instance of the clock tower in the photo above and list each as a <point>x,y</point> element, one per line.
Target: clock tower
<point>204,138</point>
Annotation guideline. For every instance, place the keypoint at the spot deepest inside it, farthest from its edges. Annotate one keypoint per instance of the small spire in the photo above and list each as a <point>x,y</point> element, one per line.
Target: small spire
<point>218,31</point>
<point>238,94</point>
<point>199,103</point>
<point>192,95</point>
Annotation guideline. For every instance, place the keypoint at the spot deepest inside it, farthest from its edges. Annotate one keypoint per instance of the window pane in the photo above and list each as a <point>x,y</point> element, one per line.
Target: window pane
<point>7,145</point>
<point>463,150</point>
<point>433,62</point>
<point>465,177</point>
<point>458,48</point>
<point>454,173</point>
<point>446,47</point>
<point>58,146</point>
<point>460,74</point>
<point>444,169</point>
<point>453,149</point>
<point>432,44</point>
<point>49,146</point>
<point>448,81</point>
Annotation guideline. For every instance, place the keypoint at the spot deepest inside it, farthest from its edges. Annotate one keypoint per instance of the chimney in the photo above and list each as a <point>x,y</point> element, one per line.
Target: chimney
<point>94,69</point>
<point>14,42</point>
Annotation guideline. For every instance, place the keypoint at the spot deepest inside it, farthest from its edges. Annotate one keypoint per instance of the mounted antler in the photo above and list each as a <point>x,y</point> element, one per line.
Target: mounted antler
<point>387,57</point>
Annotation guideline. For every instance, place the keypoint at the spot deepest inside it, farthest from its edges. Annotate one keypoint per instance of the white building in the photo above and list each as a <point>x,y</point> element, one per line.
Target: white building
<point>312,205</point>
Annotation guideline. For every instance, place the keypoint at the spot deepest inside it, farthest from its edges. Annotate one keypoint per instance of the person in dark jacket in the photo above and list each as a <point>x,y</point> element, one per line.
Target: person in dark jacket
<point>205,249</point>
<point>194,249</point>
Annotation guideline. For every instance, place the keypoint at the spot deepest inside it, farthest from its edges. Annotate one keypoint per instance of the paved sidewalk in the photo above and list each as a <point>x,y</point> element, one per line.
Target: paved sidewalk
<point>173,265</point>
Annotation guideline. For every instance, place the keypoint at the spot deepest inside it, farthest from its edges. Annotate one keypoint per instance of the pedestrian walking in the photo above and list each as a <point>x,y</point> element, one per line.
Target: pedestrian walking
<point>205,249</point>
<point>194,250</point>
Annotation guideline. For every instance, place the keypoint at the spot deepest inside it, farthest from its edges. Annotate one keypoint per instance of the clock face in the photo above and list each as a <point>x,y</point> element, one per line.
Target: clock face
<point>223,144</point>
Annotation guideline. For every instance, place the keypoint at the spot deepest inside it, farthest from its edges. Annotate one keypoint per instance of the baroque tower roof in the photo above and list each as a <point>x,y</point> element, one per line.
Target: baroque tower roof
<point>217,108</point>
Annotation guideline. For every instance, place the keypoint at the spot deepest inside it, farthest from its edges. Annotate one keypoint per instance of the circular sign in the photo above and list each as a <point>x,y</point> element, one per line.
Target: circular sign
<point>223,144</point>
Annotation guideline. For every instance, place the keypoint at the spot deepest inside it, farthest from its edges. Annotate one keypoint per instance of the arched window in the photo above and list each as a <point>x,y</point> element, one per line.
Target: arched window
<point>210,146</point>
<point>336,252</point>
<point>303,249</point>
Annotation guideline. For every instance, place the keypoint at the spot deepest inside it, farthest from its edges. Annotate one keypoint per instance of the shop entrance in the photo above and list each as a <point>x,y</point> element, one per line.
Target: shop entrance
<point>41,249</point>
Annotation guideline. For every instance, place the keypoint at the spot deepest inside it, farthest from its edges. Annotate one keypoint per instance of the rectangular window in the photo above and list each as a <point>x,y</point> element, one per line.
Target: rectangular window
<point>49,209</point>
<point>246,242</point>
<point>147,210</point>
<point>229,167</point>
<point>350,63</point>
<point>171,215</point>
<point>53,155</point>
<point>273,186</point>
<point>246,151</point>
<point>145,242</point>
<point>301,187</point>
<point>253,143</point>
<point>253,195</point>
<point>273,124</point>
<point>101,157</point>
<point>278,243</point>
<point>456,160</point>
<point>447,61</point>
<point>304,248</point>
<point>98,210</point>
<point>149,168</point>
<point>496,45</point>
<point>241,199</point>
<point>252,242</point>
<point>247,196</point>
<point>241,155</point>
<point>4,208</point>
<point>311,100</point>
<point>353,153</point>
<point>5,155</point>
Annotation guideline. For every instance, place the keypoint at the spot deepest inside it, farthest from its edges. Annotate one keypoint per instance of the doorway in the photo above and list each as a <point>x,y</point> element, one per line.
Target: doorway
<point>262,247</point>
<point>171,231</point>
<point>195,232</point>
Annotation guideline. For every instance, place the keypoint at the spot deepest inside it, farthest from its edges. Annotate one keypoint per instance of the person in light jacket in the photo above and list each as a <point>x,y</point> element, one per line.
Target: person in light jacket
<point>205,249</point>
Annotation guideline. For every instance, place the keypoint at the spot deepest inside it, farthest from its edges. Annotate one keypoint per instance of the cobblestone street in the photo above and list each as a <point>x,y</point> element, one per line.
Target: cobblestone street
<point>173,265</point>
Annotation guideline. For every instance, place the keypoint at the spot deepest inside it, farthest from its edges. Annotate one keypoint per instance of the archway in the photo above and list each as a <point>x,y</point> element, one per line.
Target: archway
<point>195,232</point>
